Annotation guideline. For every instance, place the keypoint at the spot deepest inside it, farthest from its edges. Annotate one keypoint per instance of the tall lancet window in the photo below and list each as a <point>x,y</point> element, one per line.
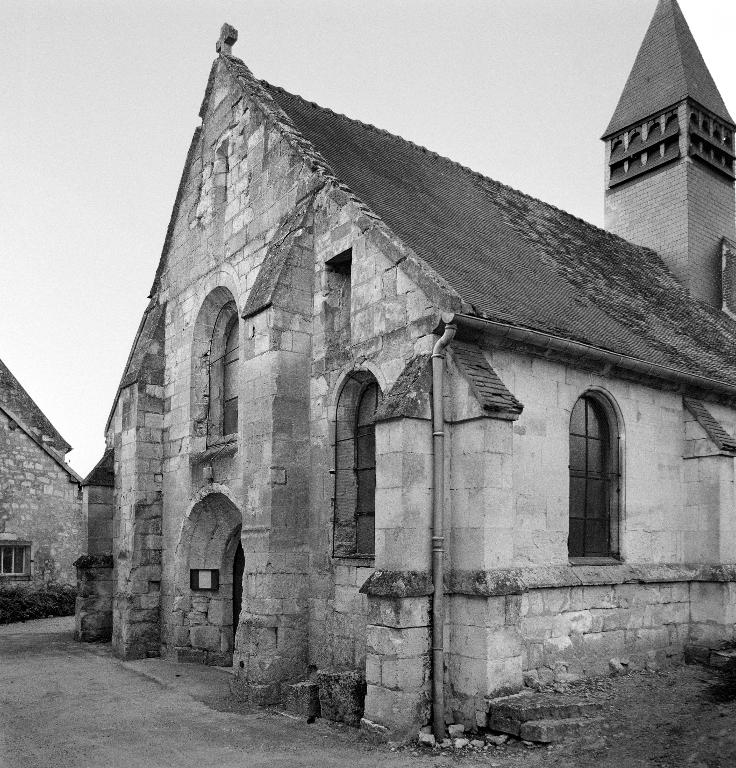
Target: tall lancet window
<point>365,470</point>
<point>230,380</point>
<point>355,466</point>
<point>224,357</point>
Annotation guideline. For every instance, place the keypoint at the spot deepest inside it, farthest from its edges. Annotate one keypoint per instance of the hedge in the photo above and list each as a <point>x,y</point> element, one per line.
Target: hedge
<point>22,603</point>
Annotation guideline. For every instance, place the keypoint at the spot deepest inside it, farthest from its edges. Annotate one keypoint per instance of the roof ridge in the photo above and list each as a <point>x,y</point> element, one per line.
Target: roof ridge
<point>453,163</point>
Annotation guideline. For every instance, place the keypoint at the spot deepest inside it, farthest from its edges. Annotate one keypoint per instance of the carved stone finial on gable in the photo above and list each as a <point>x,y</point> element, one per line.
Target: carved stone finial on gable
<point>228,38</point>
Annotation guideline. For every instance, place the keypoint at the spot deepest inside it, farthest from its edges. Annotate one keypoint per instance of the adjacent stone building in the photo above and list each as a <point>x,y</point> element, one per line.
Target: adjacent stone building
<point>387,417</point>
<point>42,528</point>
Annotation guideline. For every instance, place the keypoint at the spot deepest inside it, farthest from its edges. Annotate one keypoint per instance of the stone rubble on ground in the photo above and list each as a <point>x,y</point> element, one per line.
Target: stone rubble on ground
<point>427,739</point>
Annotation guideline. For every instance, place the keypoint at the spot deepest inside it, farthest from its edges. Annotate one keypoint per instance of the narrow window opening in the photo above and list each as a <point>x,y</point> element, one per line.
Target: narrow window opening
<point>338,297</point>
<point>365,470</point>
<point>230,380</point>
<point>355,467</point>
<point>222,403</point>
<point>594,481</point>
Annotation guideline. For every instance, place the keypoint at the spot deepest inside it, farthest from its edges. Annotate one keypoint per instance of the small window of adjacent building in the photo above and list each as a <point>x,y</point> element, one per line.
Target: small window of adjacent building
<point>594,480</point>
<point>15,559</point>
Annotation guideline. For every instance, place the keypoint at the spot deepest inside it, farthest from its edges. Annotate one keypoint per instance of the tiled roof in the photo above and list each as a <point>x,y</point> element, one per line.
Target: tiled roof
<point>668,68</point>
<point>711,425</point>
<point>22,406</point>
<point>515,259</point>
<point>103,473</point>
<point>488,388</point>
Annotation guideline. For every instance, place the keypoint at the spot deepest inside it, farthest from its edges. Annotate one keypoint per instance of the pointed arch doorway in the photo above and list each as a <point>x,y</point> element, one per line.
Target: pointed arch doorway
<point>238,570</point>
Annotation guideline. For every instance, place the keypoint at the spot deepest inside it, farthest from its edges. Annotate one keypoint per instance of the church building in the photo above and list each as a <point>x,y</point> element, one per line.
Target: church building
<point>389,422</point>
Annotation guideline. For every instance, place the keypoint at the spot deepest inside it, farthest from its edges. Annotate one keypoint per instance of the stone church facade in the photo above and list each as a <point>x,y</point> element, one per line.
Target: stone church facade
<point>366,371</point>
<point>42,526</point>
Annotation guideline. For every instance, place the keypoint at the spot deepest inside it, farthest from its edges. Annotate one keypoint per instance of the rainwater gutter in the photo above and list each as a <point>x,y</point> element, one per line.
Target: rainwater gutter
<point>578,350</point>
<point>438,537</point>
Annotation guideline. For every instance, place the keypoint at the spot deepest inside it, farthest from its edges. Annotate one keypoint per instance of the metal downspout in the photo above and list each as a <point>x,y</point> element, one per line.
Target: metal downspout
<point>438,537</point>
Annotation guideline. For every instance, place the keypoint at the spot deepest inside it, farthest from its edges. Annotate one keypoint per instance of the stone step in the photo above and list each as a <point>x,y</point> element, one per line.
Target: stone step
<point>548,731</point>
<point>721,658</point>
<point>507,713</point>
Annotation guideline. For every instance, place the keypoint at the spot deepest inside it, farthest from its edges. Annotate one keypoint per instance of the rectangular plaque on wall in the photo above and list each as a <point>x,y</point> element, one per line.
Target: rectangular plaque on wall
<point>207,579</point>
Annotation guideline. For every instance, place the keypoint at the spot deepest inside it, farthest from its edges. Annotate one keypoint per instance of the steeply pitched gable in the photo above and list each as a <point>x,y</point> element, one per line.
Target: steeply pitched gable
<point>668,69</point>
<point>22,406</point>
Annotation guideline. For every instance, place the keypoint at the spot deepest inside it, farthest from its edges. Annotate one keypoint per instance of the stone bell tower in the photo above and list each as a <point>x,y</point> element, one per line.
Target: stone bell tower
<point>670,159</point>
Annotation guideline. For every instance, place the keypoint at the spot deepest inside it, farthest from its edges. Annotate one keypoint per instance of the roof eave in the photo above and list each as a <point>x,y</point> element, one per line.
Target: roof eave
<point>577,349</point>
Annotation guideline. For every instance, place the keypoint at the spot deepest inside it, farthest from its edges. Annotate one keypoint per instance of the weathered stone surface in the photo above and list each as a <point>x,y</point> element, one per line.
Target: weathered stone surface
<point>374,732</point>
<point>398,584</point>
<point>93,609</point>
<point>341,696</point>
<point>303,699</point>
<point>507,714</point>
<point>547,731</point>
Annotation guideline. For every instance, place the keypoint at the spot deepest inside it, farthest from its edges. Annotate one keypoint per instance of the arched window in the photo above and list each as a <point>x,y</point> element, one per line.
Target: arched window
<point>355,466</point>
<point>365,469</point>
<point>223,375</point>
<point>594,479</point>
<point>230,380</point>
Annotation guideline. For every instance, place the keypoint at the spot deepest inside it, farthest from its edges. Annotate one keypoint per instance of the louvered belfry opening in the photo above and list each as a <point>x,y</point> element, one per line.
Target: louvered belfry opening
<point>593,481</point>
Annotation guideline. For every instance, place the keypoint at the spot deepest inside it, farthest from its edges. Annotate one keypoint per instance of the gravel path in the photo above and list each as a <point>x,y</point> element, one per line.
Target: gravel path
<point>72,705</point>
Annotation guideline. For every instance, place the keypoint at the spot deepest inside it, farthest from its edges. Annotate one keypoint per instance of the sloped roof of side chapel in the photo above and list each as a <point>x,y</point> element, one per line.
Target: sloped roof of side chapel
<point>511,258</point>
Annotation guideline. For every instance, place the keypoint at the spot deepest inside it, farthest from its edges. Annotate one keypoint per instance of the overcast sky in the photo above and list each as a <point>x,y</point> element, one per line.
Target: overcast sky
<point>99,99</point>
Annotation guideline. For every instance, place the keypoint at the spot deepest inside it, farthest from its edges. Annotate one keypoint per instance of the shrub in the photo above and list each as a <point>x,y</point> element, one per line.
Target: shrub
<point>22,603</point>
<point>94,561</point>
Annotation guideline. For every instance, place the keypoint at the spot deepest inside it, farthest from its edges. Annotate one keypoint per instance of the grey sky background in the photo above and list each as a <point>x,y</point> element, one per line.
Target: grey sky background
<point>99,99</point>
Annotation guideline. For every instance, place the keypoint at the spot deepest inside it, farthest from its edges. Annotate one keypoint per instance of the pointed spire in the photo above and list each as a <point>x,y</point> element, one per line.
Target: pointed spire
<point>668,69</point>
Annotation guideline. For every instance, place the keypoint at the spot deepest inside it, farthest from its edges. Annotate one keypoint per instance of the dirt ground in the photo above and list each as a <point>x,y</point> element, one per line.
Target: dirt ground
<point>69,705</point>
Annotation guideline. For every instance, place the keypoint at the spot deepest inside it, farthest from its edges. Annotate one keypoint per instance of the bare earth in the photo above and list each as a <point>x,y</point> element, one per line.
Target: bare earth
<point>69,705</point>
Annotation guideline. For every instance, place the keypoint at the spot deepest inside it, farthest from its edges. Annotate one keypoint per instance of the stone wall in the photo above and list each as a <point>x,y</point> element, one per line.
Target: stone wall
<point>98,501</point>
<point>261,226</point>
<point>137,544</point>
<point>40,504</point>
<point>656,524</point>
<point>586,621</point>
<point>93,610</point>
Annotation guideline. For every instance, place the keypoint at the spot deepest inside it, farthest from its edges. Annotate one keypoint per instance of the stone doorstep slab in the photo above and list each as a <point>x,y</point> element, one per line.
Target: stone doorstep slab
<point>526,706</point>
<point>549,731</point>
<point>720,658</point>
<point>724,659</point>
